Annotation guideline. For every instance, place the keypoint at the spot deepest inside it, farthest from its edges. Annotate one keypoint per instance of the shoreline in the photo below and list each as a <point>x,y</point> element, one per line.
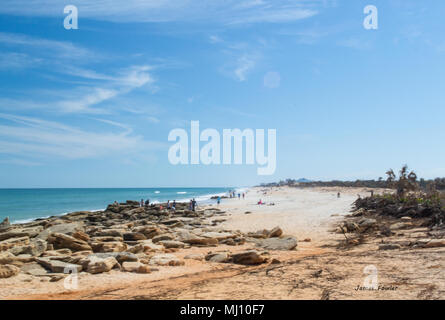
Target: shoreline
<point>321,265</point>
<point>203,200</point>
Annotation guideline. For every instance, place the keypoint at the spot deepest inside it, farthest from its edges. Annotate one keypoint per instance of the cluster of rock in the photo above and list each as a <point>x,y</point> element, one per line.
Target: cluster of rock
<point>363,222</point>
<point>429,207</point>
<point>124,237</point>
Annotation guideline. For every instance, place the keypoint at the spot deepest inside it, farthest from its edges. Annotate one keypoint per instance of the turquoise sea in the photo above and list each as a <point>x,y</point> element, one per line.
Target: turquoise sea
<point>22,205</point>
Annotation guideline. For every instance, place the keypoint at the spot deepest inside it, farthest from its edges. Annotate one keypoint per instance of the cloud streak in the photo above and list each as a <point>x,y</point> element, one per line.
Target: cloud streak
<point>218,11</point>
<point>34,137</point>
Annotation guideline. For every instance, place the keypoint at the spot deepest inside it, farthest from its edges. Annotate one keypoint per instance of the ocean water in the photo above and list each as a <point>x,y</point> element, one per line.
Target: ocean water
<point>23,205</point>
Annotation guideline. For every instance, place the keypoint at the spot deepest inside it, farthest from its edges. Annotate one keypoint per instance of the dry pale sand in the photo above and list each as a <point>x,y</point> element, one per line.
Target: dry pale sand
<point>318,269</point>
<point>304,213</point>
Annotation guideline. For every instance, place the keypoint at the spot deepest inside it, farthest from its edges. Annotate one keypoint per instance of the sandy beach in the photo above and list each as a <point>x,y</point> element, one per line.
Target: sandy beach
<point>317,269</point>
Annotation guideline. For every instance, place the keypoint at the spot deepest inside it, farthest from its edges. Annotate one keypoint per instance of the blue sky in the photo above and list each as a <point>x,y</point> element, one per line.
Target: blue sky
<point>93,107</point>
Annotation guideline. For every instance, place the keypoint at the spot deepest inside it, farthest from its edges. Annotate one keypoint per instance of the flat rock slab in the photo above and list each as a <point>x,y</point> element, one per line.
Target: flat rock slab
<point>64,228</point>
<point>119,256</point>
<point>166,260</point>
<point>34,269</point>
<point>218,235</point>
<point>286,243</point>
<point>57,266</point>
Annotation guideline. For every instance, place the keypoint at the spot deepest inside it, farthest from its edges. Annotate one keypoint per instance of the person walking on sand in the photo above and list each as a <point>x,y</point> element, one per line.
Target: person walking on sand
<point>244,195</point>
<point>338,195</point>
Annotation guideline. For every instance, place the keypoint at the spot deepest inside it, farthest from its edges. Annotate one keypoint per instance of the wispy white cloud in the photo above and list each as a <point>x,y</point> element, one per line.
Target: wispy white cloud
<point>86,99</point>
<point>61,49</point>
<point>218,11</point>
<point>27,136</point>
<point>17,61</point>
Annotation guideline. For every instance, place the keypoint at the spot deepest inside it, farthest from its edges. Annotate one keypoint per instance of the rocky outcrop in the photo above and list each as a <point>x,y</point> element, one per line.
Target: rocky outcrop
<point>124,237</point>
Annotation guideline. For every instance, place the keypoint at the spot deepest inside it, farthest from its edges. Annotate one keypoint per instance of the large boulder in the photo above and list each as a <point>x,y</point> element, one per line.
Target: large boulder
<point>220,257</point>
<point>285,243</point>
<point>95,265</point>
<point>60,241</point>
<point>251,257</point>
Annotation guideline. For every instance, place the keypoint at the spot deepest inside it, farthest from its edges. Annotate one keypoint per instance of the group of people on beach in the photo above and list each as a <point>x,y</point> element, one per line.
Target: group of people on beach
<point>232,195</point>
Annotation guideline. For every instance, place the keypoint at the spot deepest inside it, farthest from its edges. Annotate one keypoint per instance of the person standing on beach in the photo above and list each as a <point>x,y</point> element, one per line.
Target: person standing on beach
<point>174,205</point>
<point>142,202</point>
<point>218,201</point>
<point>338,195</point>
<point>168,204</point>
<point>193,204</point>
<point>244,195</point>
